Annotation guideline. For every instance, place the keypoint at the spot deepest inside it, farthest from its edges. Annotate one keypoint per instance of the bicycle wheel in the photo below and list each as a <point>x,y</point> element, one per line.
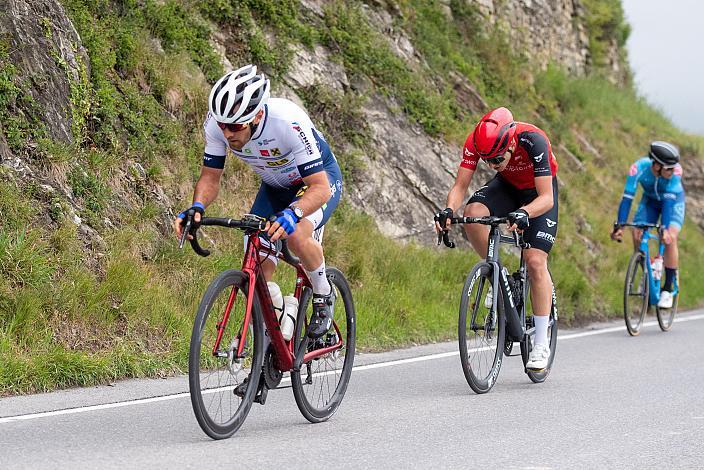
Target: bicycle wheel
<point>321,383</point>
<point>527,343</point>
<point>481,330</point>
<point>213,377</point>
<point>635,293</point>
<point>666,316</point>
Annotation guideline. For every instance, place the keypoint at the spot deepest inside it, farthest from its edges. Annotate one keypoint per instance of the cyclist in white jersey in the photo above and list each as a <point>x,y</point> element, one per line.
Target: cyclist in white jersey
<point>301,180</point>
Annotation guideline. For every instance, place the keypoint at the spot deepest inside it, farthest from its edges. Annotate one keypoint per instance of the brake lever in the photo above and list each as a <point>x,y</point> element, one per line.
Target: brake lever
<point>186,230</point>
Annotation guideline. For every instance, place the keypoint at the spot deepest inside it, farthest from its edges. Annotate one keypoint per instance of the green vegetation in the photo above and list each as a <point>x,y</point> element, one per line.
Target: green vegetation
<point>79,307</point>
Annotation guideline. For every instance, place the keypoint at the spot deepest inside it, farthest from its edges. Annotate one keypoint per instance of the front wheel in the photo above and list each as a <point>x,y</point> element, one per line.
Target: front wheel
<point>636,293</point>
<point>216,375</point>
<point>527,343</point>
<point>320,384</point>
<point>481,330</point>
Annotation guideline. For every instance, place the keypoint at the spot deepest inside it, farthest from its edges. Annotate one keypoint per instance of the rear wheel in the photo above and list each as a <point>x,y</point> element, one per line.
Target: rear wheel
<point>321,383</point>
<point>666,316</point>
<point>635,293</point>
<point>481,330</point>
<point>527,343</point>
<point>214,376</point>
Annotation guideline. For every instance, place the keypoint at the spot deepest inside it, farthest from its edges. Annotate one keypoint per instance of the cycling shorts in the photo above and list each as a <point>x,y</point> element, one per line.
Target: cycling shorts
<point>649,211</point>
<point>500,197</point>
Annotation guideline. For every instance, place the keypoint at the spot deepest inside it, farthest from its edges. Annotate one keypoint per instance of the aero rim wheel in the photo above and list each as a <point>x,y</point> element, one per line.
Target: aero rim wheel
<point>481,331</point>
<point>526,346</point>
<point>321,383</point>
<point>667,315</point>
<point>635,293</point>
<point>215,377</point>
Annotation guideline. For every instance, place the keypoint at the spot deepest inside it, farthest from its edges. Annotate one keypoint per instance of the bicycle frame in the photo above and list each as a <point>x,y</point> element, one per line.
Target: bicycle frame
<point>286,357</point>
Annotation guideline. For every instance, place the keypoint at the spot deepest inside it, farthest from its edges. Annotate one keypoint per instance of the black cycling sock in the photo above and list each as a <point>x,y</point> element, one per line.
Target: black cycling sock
<point>669,278</point>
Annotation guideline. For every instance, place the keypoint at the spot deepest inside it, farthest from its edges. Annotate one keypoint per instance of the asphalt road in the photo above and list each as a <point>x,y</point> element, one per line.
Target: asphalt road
<point>612,401</point>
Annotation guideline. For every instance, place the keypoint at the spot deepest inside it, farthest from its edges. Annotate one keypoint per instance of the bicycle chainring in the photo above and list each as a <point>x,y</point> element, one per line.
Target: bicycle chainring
<point>272,375</point>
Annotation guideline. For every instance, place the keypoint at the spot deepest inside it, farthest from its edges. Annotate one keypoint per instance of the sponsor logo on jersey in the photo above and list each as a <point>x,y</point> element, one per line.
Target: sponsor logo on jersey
<point>469,163</point>
<point>467,152</point>
<point>277,163</point>
<point>264,153</point>
<point>313,165</point>
<point>264,142</point>
<point>678,170</point>
<point>551,223</point>
<point>546,236</point>
<point>276,152</point>
<point>529,142</point>
<point>301,191</point>
<point>304,138</point>
<point>539,158</point>
<point>248,151</point>
<point>633,171</point>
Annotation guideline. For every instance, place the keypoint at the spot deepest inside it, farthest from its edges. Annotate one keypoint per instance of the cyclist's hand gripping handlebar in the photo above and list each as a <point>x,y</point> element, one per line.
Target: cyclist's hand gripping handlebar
<point>190,227</point>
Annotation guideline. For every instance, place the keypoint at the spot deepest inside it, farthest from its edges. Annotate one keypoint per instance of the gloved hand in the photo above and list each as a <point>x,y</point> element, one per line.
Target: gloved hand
<point>285,219</point>
<point>519,218</point>
<point>441,219</point>
<point>198,211</point>
<point>197,207</point>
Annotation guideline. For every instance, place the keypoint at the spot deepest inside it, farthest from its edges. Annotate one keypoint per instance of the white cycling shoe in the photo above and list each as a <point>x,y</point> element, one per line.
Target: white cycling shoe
<point>489,299</point>
<point>538,358</point>
<point>666,299</point>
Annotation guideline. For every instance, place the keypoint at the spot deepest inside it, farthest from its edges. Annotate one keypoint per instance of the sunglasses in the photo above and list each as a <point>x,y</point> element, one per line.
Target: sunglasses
<point>496,160</point>
<point>233,127</point>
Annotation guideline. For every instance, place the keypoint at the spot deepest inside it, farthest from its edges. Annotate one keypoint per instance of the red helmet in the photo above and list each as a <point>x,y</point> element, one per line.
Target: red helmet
<point>494,132</point>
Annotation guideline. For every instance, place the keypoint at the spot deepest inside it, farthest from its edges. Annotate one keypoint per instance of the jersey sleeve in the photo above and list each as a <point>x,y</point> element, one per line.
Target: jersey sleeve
<point>215,145</point>
<point>469,155</point>
<point>304,149</point>
<point>538,151</point>
<point>629,193</point>
<point>673,190</point>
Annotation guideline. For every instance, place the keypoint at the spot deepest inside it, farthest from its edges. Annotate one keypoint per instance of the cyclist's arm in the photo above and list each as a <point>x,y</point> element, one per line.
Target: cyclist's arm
<point>459,189</point>
<point>629,193</point>
<point>544,202</point>
<point>208,185</point>
<point>672,193</point>
<point>317,193</point>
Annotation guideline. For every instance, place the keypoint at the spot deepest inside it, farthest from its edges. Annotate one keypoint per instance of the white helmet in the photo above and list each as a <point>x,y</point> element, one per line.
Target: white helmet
<point>238,96</point>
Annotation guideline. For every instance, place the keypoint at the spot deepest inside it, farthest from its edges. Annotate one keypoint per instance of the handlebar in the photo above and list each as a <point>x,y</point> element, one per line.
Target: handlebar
<point>494,221</point>
<point>249,223</point>
<point>657,227</point>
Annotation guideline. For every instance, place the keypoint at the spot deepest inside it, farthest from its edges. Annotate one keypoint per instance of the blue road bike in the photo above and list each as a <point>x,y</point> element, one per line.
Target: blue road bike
<point>642,287</point>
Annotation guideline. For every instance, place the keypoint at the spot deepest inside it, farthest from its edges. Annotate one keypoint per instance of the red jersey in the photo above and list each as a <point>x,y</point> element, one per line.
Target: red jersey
<point>533,157</point>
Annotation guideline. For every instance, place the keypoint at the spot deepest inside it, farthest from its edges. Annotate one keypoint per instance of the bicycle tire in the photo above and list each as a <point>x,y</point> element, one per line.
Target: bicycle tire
<point>632,308</point>
<point>666,316</point>
<point>493,328</point>
<point>200,351</point>
<point>318,371</point>
<point>526,345</point>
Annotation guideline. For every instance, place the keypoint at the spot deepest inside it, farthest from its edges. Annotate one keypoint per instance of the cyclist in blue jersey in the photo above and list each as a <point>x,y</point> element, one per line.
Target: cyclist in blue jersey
<point>660,175</point>
<point>301,180</point>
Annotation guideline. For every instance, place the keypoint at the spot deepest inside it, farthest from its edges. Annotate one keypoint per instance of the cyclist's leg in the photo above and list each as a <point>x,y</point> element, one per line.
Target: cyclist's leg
<point>541,236</point>
<point>305,242</point>
<point>671,251</point>
<point>494,198</point>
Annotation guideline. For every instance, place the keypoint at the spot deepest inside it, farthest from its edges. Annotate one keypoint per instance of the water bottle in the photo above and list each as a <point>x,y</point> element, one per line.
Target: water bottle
<point>288,320</point>
<point>277,299</point>
<point>656,266</point>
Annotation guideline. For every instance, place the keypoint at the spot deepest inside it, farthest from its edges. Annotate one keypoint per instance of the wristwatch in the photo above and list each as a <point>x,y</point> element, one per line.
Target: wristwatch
<point>298,212</point>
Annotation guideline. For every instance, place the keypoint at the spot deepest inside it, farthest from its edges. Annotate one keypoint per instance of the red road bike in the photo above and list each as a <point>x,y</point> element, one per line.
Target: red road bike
<point>237,351</point>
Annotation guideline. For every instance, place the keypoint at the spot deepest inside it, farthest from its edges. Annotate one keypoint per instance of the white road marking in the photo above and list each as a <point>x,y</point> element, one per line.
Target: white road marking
<point>430,357</point>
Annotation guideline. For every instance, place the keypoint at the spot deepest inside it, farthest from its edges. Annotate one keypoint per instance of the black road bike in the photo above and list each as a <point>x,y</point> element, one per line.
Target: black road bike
<point>488,330</point>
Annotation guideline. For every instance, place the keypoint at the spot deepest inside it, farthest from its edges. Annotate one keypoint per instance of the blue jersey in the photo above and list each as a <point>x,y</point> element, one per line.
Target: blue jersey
<point>663,192</point>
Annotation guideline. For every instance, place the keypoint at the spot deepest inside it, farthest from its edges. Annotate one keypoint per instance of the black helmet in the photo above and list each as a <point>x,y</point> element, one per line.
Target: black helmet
<point>664,153</point>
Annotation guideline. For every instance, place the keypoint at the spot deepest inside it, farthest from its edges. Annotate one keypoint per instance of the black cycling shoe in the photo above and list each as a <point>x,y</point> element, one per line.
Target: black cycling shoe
<point>323,311</point>
<point>241,389</point>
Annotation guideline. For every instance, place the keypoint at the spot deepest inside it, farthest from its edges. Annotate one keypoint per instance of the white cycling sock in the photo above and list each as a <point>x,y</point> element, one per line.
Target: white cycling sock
<point>541,330</point>
<point>319,280</point>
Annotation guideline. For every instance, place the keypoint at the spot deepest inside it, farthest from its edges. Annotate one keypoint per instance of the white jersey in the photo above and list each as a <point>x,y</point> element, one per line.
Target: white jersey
<point>285,148</point>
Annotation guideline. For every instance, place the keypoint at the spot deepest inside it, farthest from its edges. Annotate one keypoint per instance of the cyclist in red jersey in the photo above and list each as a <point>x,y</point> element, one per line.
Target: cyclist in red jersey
<point>524,189</point>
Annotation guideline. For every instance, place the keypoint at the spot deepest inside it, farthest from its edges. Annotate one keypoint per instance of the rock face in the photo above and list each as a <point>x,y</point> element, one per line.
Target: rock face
<point>547,30</point>
<point>47,52</point>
